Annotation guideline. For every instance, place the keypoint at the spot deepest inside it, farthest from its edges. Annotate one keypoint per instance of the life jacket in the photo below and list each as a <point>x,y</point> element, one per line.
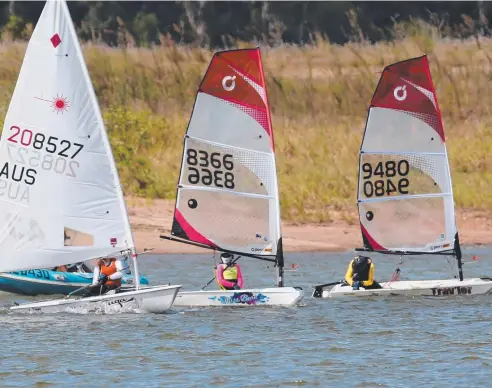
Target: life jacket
<point>230,274</point>
<point>108,270</point>
<point>361,266</point>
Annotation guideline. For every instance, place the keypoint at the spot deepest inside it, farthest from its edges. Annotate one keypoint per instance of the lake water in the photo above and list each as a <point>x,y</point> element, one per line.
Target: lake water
<point>394,342</point>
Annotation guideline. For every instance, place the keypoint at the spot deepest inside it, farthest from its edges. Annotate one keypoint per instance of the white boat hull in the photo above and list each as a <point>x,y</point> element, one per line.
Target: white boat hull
<point>450,287</point>
<point>278,296</point>
<point>150,299</point>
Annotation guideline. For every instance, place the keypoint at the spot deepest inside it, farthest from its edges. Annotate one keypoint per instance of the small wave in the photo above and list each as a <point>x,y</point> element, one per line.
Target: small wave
<point>470,357</point>
<point>295,383</point>
<point>76,372</point>
<point>383,332</point>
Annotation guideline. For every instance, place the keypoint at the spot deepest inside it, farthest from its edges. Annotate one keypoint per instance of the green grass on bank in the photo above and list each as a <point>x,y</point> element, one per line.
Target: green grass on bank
<point>319,98</point>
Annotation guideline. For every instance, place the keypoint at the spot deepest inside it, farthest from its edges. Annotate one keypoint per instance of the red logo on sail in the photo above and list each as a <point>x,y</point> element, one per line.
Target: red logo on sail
<point>55,40</point>
<point>113,241</point>
<point>59,104</point>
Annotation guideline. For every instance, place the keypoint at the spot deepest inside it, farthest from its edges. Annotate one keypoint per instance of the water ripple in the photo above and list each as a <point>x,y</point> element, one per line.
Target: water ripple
<point>392,342</point>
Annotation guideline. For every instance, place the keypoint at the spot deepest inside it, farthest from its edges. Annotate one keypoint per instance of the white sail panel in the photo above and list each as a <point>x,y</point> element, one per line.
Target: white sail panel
<point>228,191</point>
<point>58,179</point>
<point>405,196</point>
<point>400,132</point>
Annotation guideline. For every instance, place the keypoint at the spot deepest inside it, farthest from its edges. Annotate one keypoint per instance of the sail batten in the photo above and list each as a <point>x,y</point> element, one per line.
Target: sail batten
<point>227,194</point>
<point>225,191</point>
<point>226,145</point>
<point>398,153</point>
<point>405,197</point>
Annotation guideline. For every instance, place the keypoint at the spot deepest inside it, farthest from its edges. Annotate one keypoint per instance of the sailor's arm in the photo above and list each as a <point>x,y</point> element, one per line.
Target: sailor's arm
<point>370,278</point>
<point>349,274</point>
<point>240,280</point>
<point>95,276</point>
<point>119,270</point>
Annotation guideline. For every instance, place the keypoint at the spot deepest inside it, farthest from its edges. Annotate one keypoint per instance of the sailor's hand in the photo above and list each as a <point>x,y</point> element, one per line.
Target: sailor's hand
<point>103,279</point>
<point>236,287</point>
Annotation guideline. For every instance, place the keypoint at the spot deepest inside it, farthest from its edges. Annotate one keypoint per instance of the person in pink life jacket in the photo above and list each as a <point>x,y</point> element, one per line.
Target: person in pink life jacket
<point>228,274</point>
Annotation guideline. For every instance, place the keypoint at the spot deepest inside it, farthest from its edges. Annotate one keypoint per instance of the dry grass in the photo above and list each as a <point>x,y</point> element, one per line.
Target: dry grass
<point>319,98</point>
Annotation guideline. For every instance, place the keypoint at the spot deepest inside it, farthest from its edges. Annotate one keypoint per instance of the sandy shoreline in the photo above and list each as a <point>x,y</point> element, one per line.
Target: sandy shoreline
<point>150,218</point>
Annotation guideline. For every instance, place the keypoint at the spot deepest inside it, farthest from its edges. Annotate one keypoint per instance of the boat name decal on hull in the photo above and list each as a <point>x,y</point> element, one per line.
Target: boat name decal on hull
<point>242,298</point>
<point>451,291</point>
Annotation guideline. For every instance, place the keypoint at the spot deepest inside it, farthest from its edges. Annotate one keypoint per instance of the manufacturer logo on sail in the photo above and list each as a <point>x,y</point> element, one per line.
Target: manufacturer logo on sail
<point>229,83</point>
<point>400,93</point>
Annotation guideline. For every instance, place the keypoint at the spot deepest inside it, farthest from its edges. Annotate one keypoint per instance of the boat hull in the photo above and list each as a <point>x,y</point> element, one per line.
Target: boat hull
<point>156,299</point>
<point>46,282</point>
<point>279,296</point>
<point>434,288</point>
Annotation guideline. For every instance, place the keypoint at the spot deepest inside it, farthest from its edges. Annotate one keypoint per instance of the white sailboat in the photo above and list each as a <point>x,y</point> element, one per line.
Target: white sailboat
<point>58,178</point>
<point>227,195</point>
<point>405,195</point>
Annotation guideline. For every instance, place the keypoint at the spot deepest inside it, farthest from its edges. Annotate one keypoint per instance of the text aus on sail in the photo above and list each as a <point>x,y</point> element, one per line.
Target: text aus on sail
<point>28,152</point>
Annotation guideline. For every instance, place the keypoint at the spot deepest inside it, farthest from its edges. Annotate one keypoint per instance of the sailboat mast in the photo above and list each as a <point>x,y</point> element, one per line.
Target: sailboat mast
<point>457,250</point>
<point>136,274</point>
<point>280,264</point>
<point>280,251</point>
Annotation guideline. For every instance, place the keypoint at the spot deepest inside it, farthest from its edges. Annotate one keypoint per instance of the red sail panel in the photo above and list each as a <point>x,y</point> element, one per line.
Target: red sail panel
<point>369,242</point>
<point>237,77</point>
<point>181,228</point>
<point>407,86</point>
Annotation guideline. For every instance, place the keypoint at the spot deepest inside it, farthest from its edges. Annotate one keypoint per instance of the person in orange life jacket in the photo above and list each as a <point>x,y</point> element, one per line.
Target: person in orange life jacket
<point>228,274</point>
<point>360,273</point>
<point>107,276</point>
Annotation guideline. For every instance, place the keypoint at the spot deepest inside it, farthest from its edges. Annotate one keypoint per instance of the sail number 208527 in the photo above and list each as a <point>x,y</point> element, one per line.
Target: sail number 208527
<point>389,169</point>
<point>210,168</point>
<point>53,145</point>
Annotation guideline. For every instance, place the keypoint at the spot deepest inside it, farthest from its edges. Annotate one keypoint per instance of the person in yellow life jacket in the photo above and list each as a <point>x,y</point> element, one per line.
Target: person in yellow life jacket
<point>107,276</point>
<point>360,273</point>
<point>228,274</point>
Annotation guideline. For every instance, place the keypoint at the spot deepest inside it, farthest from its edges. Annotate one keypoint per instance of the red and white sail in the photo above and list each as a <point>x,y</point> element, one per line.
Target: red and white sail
<point>405,196</point>
<point>227,192</point>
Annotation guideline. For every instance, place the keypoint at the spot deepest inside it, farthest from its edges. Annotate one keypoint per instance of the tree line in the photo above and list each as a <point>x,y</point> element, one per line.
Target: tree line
<point>224,23</point>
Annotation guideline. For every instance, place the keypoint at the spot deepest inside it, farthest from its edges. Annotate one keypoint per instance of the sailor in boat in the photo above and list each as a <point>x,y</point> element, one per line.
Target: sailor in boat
<point>360,273</point>
<point>77,267</point>
<point>228,273</point>
<point>107,276</point>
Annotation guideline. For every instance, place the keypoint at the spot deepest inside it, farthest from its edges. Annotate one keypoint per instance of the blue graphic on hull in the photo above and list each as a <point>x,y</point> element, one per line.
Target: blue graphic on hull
<point>241,298</point>
<point>47,282</point>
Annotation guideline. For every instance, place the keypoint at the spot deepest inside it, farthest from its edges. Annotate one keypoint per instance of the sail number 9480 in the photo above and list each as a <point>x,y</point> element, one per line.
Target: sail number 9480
<point>211,169</point>
<point>382,187</point>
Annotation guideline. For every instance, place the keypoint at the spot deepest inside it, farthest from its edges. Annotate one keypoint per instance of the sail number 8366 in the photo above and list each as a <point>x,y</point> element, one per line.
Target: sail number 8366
<point>212,168</point>
<point>388,169</point>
